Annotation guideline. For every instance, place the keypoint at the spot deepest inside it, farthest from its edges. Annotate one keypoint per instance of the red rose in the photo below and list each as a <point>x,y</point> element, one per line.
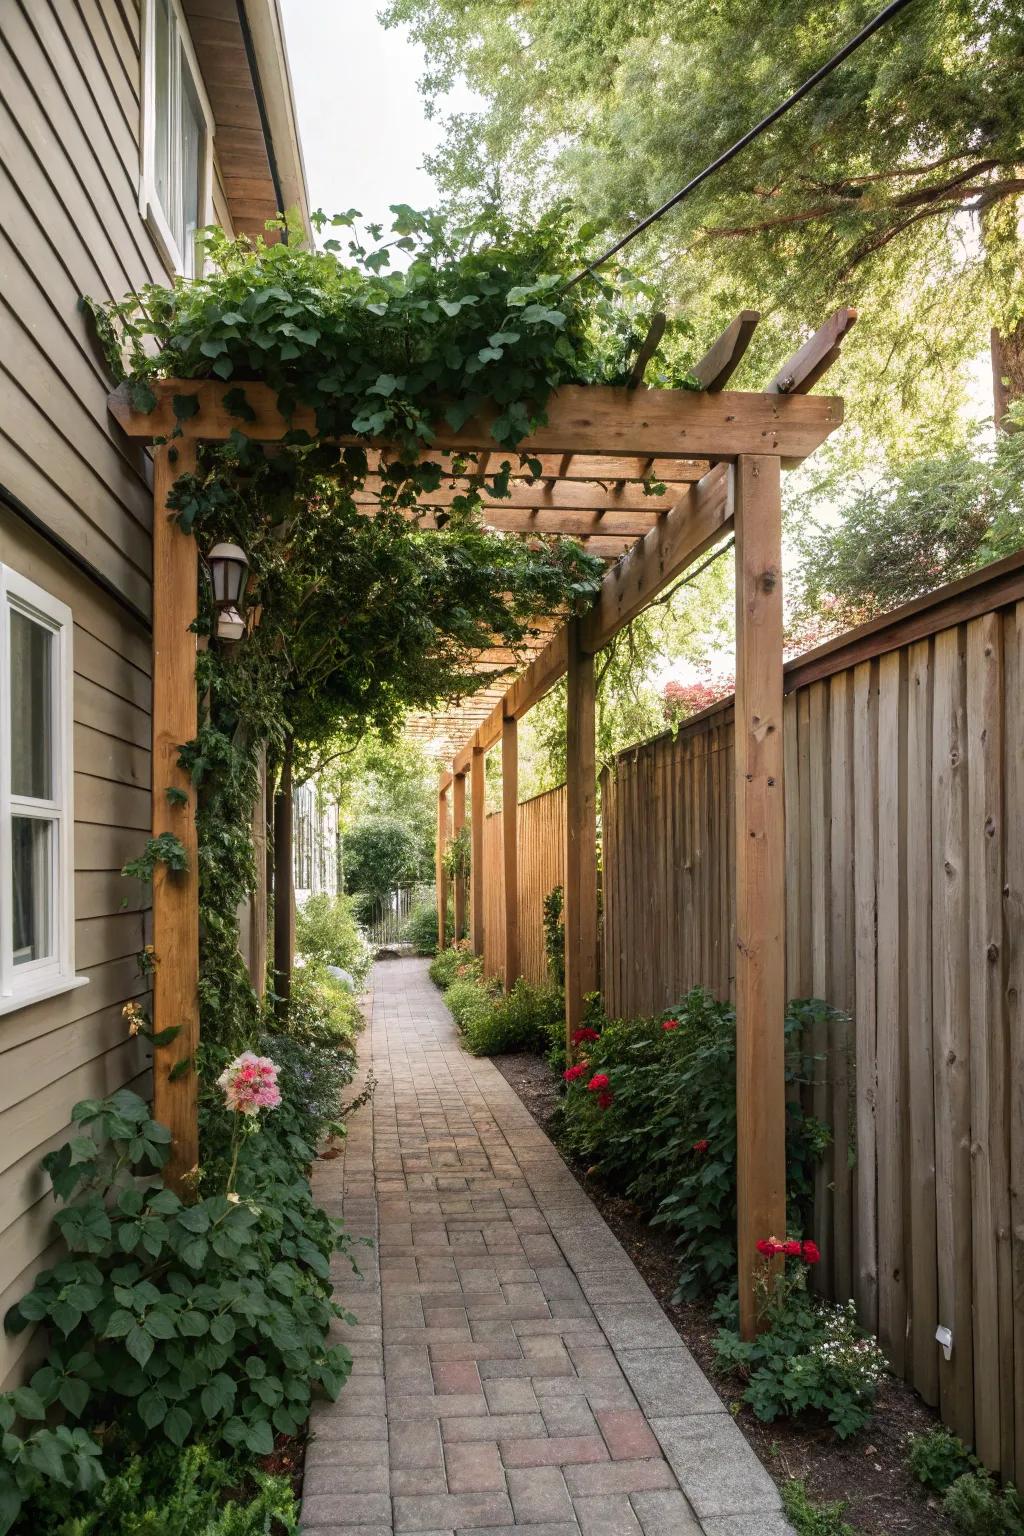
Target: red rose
<point>597,1082</point>
<point>605,1098</point>
<point>670,1024</point>
<point>584,1034</point>
<point>572,1073</point>
<point>765,1247</point>
<point>701,1146</point>
<point>811,1252</point>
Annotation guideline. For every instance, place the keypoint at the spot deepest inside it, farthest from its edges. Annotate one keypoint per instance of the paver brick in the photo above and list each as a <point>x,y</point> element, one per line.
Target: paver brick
<point>666,1512</point>
<point>610,1515</point>
<point>539,1493</point>
<point>473,1466</point>
<point>441,1511</point>
<point>487,1427</point>
<point>416,1444</point>
<point>619,1477</point>
<point>627,1434</point>
<point>716,1466</point>
<point>347,1509</point>
<point>557,1451</point>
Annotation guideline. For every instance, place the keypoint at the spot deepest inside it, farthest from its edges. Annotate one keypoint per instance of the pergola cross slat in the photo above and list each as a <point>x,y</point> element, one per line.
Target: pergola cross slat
<point>726,449</point>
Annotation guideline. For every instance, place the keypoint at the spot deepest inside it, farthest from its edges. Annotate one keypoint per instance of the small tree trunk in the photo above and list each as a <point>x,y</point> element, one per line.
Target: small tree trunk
<point>284,902</point>
<point>1007,372</point>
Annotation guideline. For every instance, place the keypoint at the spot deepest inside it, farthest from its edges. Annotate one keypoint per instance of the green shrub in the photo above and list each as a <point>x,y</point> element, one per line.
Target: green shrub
<point>469,1003</point>
<point>168,1492</point>
<point>809,1518</point>
<point>311,1078</point>
<point>455,965</point>
<point>421,929</point>
<point>326,934</point>
<point>811,1358</point>
<point>321,1011</point>
<point>525,1019</point>
<point>938,1458</point>
<point>664,1131</point>
<point>554,935</point>
<point>976,1506</point>
<point>168,1319</point>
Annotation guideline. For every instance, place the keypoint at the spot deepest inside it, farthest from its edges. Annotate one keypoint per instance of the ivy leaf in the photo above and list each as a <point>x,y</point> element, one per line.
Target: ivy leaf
<point>152,1408</point>
<point>141,397</point>
<point>218,1396</point>
<point>177,1424</point>
<point>236,403</point>
<point>139,1344</point>
<point>73,1394</point>
<point>259,1438</point>
<point>185,407</point>
<point>165,1036</point>
<point>451,307</point>
<point>385,385</point>
<point>179,1069</point>
<point>27,1403</point>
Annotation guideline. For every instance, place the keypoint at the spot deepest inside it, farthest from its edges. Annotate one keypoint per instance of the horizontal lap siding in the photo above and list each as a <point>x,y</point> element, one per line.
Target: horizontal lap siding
<point>75,1046</point>
<point>905,908</point>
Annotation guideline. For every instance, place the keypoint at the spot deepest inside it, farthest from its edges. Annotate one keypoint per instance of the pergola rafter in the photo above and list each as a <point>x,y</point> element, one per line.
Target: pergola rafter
<point>719,454</point>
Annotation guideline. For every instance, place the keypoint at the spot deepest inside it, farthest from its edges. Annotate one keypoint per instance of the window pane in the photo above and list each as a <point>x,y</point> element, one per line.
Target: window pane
<point>32,843</point>
<point>164,117</point>
<point>31,708</point>
<point>192,129</point>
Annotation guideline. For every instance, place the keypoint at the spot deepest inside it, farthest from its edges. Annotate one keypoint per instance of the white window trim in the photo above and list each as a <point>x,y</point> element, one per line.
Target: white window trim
<point>21,985</point>
<point>149,202</point>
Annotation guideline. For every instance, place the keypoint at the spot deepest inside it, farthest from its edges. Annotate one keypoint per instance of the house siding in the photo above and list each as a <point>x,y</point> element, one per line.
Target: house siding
<point>69,225</point>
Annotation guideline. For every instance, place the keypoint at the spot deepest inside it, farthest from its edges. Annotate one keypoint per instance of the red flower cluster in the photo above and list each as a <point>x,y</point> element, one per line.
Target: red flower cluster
<point>580,1035</point>
<point>605,1098</point>
<point>572,1073</point>
<point>670,1024</point>
<point>701,1146</point>
<point>792,1248</point>
<point>597,1082</point>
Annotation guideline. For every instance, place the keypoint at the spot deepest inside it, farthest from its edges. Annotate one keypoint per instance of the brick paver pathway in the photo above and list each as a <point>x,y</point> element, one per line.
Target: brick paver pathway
<point>512,1371</point>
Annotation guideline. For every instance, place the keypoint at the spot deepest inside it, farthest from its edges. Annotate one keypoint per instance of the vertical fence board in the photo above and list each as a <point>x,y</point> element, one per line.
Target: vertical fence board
<point>840,990</point>
<point>1013,989</point>
<point>865,862</point>
<point>950,1030</point>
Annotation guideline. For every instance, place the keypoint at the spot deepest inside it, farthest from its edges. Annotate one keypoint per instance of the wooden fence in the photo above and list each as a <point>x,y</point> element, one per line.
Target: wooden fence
<point>541,840</point>
<point>904,761</point>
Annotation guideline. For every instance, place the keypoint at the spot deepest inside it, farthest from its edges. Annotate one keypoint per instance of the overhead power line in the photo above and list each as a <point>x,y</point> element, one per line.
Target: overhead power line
<point>730,154</point>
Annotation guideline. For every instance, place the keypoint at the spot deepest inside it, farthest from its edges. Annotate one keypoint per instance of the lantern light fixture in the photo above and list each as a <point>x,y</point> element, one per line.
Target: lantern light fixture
<point>229,568</point>
<point>230,625</point>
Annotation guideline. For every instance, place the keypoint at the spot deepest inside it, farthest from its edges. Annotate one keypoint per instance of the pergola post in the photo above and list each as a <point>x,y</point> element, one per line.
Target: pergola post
<point>510,844</point>
<point>477,812</point>
<point>175,896</point>
<point>458,822</point>
<point>760,870</point>
<point>439,849</point>
<point>580,894</point>
<point>284,886</point>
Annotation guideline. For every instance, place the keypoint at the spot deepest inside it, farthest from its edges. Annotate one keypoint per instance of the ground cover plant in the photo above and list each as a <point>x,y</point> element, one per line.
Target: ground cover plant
<point>971,1497</point>
<point>650,1106</point>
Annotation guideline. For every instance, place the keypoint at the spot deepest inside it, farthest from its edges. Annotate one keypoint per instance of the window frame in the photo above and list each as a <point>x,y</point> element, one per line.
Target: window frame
<point>150,206</point>
<point>38,979</point>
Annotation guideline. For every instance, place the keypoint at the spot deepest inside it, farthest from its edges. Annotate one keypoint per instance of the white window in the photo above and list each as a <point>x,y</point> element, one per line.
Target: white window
<point>36,810</point>
<point>177,133</point>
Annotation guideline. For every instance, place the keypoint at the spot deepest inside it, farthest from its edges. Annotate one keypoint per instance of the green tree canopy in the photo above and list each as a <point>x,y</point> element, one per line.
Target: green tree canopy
<point>380,854</point>
<point>894,186</point>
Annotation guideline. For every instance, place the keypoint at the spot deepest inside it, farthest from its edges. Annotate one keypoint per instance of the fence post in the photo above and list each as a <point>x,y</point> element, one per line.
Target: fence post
<point>760,870</point>
<point>175,896</point>
<point>580,894</point>
<point>458,822</point>
<point>478,810</point>
<point>510,844</point>
<point>441,885</point>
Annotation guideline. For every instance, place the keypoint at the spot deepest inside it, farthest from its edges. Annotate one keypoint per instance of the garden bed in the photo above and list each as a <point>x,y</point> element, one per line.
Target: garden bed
<point>869,1471</point>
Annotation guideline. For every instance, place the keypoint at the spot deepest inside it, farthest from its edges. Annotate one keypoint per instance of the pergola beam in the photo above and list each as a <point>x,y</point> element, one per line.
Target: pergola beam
<point>723,357</point>
<point>568,495</point>
<point>807,365</point>
<point>580,419</point>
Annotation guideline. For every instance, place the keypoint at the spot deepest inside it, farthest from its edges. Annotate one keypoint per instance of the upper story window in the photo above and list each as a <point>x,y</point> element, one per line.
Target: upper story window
<point>177,134</point>
<point>36,809</point>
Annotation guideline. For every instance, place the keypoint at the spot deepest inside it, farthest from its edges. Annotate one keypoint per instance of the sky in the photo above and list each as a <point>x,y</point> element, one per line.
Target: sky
<point>361,118</point>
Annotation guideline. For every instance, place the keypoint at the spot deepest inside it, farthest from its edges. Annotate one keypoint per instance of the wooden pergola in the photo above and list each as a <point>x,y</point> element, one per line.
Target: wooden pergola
<point>719,454</point>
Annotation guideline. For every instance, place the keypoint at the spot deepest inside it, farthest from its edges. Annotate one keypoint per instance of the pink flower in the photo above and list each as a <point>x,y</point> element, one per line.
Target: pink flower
<point>598,1082</point>
<point>572,1073</point>
<point>249,1084</point>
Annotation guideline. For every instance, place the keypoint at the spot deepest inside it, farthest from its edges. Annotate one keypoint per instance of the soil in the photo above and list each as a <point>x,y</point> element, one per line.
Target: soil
<point>868,1473</point>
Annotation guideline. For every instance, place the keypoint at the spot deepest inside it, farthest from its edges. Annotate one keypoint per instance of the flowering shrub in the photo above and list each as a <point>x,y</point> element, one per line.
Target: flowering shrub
<point>326,933</point>
<point>665,1134</point>
<point>249,1084</point>
<point>811,1358</point>
<point>165,1317</point>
